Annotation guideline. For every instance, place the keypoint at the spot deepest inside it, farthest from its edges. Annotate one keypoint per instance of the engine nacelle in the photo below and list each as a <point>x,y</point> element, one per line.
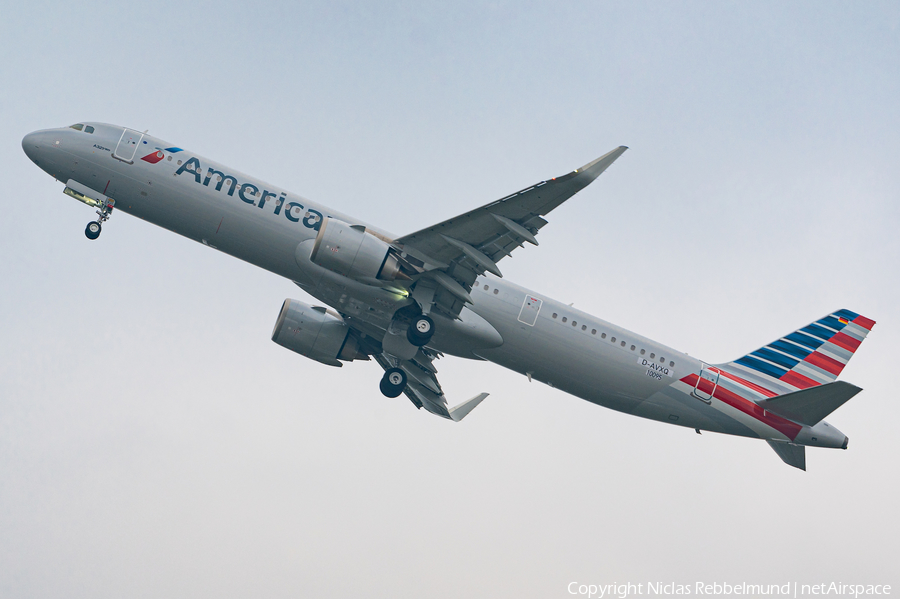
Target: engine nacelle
<point>351,251</point>
<point>316,333</point>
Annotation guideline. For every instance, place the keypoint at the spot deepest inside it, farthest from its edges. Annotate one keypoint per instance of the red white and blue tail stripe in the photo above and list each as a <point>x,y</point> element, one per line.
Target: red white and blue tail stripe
<point>808,357</point>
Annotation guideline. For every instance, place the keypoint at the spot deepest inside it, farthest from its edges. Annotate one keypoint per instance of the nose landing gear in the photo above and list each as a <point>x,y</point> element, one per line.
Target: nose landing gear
<point>92,231</point>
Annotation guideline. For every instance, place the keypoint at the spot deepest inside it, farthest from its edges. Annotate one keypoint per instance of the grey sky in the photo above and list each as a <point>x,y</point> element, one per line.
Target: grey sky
<point>155,442</point>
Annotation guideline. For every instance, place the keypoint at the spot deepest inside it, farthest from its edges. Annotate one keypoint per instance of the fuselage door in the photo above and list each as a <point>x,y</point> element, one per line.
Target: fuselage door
<point>706,383</point>
<point>531,307</point>
<point>127,145</point>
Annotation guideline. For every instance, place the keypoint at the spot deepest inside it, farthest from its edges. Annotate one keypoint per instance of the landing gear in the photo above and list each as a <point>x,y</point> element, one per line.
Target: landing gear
<point>420,331</point>
<point>393,382</point>
<point>92,231</point>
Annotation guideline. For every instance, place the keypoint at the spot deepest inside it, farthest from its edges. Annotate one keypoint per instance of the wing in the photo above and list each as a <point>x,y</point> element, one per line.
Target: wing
<point>423,388</point>
<point>453,253</point>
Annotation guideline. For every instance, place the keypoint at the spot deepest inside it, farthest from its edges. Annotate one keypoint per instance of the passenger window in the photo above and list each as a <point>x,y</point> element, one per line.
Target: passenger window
<point>603,335</point>
<point>485,287</point>
<point>613,340</point>
<point>565,319</point>
<point>574,324</point>
<point>623,344</point>
<point>662,360</point>
<point>77,127</point>
<point>593,331</point>
<point>632,348</point>
<point>555,315</point>
<point>672,364</point>
<point>643,351</point>
<point>652,355</point>
<point>584,327</point>
<point>496,291</point>
<point>88,129</point>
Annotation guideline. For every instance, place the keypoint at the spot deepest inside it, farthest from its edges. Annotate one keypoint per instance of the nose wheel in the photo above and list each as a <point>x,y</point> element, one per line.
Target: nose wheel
<point>93,228</point>
<point>420,331</point>
<point>393,382</point>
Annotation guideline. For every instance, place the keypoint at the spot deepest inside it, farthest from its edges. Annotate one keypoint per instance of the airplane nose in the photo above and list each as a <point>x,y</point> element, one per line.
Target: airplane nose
<point>31,144</point>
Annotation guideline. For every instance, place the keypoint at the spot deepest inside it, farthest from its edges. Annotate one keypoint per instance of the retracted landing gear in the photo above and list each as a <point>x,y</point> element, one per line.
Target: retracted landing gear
<point>420,330</point>
<point>92,231</point>
<point>393,382</point>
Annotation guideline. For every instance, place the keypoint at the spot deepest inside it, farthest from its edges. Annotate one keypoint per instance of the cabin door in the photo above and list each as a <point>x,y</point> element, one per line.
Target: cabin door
<point>127,146</point>
<point>706,383</point>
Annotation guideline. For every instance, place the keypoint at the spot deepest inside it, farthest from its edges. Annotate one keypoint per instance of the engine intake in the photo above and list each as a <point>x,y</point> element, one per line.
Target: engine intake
<point>316,333</point>
<point>351,251</point>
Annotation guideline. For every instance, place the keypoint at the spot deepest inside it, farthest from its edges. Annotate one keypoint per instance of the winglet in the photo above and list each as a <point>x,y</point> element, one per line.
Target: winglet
<point>595,169</point>
<point>460,411</point>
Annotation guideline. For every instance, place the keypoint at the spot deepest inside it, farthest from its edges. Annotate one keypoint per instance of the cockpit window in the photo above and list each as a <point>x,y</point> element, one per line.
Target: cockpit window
<point>82,127</point>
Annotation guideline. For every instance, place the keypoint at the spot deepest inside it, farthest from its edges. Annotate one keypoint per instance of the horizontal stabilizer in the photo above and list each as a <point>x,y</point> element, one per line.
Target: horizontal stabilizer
<point>792,455</point>
<point>460,411</point>
<point>811,406</point>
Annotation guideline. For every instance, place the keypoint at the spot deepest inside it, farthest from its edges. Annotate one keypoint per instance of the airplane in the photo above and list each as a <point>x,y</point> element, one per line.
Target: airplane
<point>406,301</point>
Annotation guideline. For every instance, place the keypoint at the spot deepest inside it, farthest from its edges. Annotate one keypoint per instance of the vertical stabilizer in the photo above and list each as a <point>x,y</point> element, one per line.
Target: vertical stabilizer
<point>792,455</point>
<point>812,356</point>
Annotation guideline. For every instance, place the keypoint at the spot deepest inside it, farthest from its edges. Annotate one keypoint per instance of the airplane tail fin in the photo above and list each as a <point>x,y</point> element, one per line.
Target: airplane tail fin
<point>792,455</point>
<point>809,357</point>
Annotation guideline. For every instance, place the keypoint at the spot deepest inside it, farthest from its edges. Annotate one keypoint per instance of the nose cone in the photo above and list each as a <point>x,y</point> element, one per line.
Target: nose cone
<point>32,145</point>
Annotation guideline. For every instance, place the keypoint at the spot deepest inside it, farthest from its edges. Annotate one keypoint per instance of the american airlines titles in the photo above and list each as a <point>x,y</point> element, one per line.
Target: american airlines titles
<point>249,193</point>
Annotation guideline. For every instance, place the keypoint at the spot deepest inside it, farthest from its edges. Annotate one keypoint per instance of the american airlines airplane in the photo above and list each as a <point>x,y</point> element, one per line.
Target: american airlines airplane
<point>407,301</point>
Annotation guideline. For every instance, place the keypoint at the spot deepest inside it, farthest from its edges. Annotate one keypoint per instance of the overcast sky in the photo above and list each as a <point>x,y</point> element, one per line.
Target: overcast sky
<point>155,443</point>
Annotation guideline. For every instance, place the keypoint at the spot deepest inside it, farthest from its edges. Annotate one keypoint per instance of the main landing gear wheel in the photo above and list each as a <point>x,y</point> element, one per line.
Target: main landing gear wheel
<point>393,382</point>
<point>92,231</point>
<point>420,331</point>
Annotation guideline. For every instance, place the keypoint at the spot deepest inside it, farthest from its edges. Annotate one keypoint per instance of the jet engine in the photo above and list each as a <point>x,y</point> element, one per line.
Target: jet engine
<point>351,251</point>
<point>316,333</point>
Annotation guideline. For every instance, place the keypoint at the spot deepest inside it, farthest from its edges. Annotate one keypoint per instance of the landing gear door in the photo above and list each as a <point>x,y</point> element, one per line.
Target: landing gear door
<point>531,307</point>
<point>127,146</point>
<point>706,383</point>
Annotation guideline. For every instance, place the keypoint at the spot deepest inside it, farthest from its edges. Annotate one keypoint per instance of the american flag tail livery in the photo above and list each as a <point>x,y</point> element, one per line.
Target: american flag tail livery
<point>794,378</point>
